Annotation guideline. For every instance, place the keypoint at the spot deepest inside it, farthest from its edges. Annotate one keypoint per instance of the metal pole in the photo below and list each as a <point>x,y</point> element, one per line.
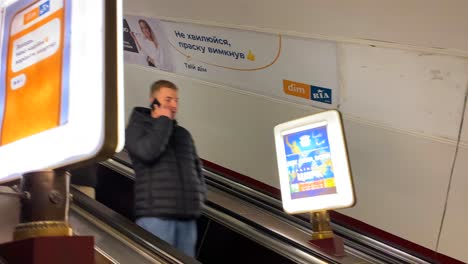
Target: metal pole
<point>321,227</point>
<point>46,212</point>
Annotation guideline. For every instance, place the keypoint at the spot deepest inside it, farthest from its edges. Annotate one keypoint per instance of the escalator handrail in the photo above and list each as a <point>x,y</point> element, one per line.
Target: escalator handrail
<point>365,243</point>
<point>124,226</point>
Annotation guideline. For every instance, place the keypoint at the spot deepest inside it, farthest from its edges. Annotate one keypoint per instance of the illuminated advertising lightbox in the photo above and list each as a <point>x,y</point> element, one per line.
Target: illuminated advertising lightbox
<point>313,164</point>
<point>60,83</point>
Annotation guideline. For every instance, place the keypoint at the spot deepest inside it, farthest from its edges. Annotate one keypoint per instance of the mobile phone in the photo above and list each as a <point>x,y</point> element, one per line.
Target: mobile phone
<point>155,102</point>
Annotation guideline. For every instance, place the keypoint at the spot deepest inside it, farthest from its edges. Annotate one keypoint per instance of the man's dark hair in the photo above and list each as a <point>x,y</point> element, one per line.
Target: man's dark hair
<point>156,86</point>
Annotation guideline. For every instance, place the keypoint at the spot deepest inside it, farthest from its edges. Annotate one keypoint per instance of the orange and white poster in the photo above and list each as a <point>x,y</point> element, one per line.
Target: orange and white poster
<point>34,76</point>
<point>301,70</point>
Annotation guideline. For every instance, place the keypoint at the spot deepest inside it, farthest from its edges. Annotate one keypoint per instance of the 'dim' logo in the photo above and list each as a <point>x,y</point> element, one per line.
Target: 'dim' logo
<point>296,89</point>
<point>320,94</point>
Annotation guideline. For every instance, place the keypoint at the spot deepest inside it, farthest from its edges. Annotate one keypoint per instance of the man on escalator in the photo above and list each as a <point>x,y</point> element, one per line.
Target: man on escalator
<point>170,186</point>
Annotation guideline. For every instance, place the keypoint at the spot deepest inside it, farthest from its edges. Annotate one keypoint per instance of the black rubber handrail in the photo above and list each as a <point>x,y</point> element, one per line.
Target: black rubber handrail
<point>130,230</point>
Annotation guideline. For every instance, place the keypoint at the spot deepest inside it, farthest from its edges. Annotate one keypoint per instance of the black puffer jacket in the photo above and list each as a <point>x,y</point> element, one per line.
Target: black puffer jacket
<point>169,180</point>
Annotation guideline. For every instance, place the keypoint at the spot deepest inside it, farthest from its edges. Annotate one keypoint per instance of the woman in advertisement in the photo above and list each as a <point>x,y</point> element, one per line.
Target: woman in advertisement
<point>150,46</point>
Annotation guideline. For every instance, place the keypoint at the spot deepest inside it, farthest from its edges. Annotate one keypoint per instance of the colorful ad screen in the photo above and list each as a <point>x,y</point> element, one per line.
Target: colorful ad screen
<point>309,163</point>
<point>35,68</point>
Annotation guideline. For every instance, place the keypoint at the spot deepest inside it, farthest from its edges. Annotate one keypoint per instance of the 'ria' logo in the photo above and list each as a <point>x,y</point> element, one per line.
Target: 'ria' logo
<point>320,94</point>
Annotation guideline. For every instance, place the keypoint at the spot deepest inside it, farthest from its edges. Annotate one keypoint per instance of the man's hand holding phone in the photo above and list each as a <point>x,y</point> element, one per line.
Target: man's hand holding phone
<point>158,110</point>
